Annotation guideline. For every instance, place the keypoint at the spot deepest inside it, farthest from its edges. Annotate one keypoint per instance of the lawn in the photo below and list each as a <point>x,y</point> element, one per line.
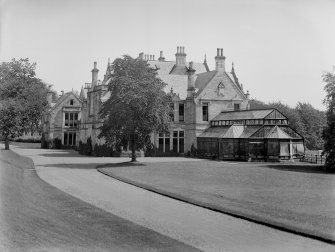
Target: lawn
<point>293,197</point>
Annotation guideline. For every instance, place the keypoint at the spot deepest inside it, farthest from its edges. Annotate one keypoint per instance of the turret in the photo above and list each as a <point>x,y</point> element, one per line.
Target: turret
<point>95,72</point>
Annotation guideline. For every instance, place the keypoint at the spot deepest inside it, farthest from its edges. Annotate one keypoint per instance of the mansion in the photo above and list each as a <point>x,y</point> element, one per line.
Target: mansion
<point>200,98</point>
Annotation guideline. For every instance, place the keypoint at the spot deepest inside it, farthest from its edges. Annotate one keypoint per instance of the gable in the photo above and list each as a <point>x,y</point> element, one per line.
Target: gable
<point>219,87</point>
<point>64,101</point>
<point>275,114</point>
<point>175,77</point>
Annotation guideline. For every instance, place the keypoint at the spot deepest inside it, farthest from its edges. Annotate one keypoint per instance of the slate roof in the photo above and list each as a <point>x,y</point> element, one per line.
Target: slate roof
<point>203,79</point>
<point>175,78</point>
<point>243,115</point>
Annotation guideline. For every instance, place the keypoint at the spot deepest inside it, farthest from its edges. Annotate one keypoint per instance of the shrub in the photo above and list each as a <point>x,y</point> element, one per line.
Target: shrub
<point>57,143</point>
<point>103,150</point>
<point>85,148</point>
<point>149,150</point>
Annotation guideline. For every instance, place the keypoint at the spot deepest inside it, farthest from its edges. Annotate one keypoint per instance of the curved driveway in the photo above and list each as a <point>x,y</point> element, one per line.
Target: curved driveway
<point>35,216</point>
<point>198,227</point>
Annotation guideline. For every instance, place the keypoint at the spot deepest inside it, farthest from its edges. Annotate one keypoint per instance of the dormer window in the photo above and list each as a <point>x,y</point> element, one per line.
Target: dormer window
<point>221,89</point>
<point>71,102</point>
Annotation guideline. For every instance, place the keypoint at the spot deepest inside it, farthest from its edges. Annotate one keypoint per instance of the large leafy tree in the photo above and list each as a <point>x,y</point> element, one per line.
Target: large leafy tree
<point>329,131</point>
<point>137,105</point>
<point>23,96</point>
<point>11,116</point>
<point>304,118</point>
<point>313,122</point>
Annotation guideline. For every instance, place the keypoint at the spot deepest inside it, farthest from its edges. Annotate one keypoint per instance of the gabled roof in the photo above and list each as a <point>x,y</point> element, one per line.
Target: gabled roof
<point>62,98</point>
<point>250,130</point>
<point>276,133</point>
<point>244,114</point>
<point>203,79</point>
<point>235,131</point>
<point>175,77</point>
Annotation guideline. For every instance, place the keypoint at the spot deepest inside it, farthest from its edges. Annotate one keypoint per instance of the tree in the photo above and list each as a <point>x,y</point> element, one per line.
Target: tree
<point>10,120</point>
<point>313,122</point>
<point>291,113</point>
<point>137,105</point>
<point>304,118</point>
<point>19,86</point>
<point>329,130</point>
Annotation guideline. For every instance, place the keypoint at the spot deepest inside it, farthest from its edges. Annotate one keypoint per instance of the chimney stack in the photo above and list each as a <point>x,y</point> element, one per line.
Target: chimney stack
<point>220,61</point>
<point>161,58</point>
<point>247,95</point>
<point>141,55</point>
<point>180,56</point>
<point>191,81</point>
<point>49,95</point>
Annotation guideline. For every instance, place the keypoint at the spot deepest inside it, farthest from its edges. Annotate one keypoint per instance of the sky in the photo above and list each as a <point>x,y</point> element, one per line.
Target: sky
<point>280,48</point>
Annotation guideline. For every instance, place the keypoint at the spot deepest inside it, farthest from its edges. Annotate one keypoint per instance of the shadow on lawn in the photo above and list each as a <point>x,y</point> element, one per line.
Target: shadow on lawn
<point>122,164</point>
<point>83,166</point>
<point>64,153</point>
<point>92,165</point>
<point>305,168</point>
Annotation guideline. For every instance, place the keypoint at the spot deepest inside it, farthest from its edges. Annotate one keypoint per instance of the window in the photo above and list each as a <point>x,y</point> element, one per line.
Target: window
<point>236,106</point>
<point>164,142</point>
<point>181,112</point>
<point>66,119</point>
<point>71,119</point>
<point>205,112</point>
<point>71,102</point>
<point>178,141</point>
<point>172,112</point>
<point>69,138</point>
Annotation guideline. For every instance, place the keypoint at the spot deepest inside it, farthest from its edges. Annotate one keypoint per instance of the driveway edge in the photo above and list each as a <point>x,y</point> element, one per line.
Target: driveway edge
<point>256,220</point>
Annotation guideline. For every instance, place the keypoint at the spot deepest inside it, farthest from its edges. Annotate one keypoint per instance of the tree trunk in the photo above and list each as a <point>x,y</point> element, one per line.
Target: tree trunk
<point>133,149</point>
<point>6,144</point>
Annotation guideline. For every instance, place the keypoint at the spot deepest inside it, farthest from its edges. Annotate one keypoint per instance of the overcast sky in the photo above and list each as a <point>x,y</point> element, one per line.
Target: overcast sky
<point>280,48</point>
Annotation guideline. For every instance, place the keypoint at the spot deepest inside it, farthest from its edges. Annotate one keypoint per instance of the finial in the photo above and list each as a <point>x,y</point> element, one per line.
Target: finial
<point>205,60</point>
<point>109,60</point>
<point>232,67</point>
<point>171,90</point>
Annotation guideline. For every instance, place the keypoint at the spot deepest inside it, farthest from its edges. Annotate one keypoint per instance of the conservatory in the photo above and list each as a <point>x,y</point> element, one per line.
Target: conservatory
<point>250,135</point>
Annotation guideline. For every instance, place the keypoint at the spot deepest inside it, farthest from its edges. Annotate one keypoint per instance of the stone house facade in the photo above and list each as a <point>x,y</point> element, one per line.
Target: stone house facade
<point>198,95</point>
<point>62,118</point>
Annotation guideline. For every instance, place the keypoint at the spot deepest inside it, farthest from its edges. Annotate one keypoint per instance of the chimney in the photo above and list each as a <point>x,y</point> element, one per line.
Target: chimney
<point>161,58</point>
<point>95,71</point>
<point>62,92</point>
<point>220,61</point>
<point>49,95</point>
<point>247,95</point>
<point>191,81</point>
<point>141,56</point>
<point>180,56</point>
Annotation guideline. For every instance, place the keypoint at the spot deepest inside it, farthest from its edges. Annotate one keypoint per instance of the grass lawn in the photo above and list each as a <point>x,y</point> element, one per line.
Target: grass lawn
<point>294,197</point>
